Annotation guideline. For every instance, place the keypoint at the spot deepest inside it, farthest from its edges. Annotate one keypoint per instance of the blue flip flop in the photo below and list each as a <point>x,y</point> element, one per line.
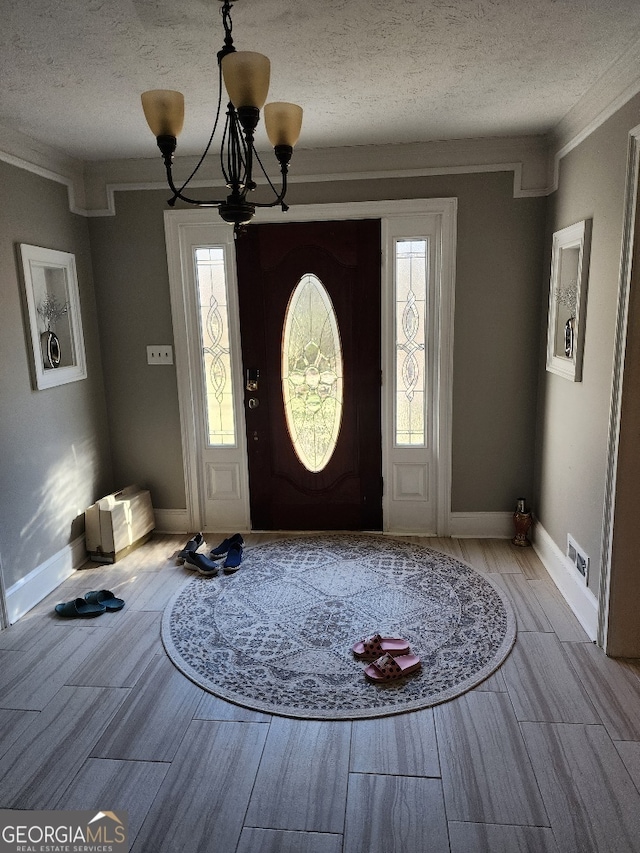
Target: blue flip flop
<point>105,598</point>
<point>79,607</point>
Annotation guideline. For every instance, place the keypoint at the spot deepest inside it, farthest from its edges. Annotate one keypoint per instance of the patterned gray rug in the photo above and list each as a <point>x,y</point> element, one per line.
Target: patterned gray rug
<point>277,635</point>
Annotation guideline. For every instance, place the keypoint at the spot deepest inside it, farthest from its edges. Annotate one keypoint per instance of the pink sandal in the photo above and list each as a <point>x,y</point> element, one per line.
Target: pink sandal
<point>373,647</point>
<point>389,668</point>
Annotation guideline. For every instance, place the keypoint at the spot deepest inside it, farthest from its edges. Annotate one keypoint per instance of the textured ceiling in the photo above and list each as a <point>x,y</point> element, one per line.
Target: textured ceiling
<point>365,71</point>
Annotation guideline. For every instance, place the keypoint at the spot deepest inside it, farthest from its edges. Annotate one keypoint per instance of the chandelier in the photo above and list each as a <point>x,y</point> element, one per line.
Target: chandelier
<point>246,79</point>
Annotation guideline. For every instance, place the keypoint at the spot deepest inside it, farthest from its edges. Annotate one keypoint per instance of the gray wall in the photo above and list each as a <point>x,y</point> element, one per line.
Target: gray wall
<point>498,307</point>
<point>573,417</point>
<point>54,442</point>
<point>132,292</point>
<point>56,454</point>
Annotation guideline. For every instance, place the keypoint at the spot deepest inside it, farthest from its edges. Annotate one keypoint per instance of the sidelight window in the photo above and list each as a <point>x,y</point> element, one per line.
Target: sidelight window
<point>213,318</point>
<point>411,279</point>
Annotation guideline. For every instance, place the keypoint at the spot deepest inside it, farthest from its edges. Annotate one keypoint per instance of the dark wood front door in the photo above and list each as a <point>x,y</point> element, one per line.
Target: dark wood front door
<point>333,267</point>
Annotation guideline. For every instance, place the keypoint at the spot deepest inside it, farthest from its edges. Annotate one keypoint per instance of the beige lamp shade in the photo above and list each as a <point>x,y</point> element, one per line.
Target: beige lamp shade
<point>283,123</point>
<point>246,76</point>
<point>164,111</point>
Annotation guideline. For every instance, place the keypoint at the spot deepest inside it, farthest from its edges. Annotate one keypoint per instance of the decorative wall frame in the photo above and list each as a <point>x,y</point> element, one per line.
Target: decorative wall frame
<point>568,300</point>
<point>55,323</point>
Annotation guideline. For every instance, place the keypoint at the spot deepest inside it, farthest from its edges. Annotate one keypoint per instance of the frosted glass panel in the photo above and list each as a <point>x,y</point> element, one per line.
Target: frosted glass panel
<point>312,373</point>
<point>214,339</point>
<point>411,273</point>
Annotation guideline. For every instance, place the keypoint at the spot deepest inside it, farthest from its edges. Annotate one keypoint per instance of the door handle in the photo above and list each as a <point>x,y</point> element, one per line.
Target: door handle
<point>253,402</point>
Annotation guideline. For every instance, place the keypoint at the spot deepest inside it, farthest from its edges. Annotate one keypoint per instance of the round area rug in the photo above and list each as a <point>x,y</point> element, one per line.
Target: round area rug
<point>276,636</point>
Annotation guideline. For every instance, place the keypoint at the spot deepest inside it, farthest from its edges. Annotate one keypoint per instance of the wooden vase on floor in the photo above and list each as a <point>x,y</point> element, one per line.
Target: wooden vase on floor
<point>522,522</point>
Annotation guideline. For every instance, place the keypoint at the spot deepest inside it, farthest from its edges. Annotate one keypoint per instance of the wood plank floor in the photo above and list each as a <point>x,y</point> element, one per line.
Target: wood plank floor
<point>543,757</point>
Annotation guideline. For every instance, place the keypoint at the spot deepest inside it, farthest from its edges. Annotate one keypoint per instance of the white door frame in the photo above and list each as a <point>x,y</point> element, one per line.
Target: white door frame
<point>615,409</point>
<point>4,612</point>
<point>179,224</point>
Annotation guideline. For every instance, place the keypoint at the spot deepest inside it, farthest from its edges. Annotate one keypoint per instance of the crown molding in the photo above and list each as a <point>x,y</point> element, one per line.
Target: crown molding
<point>618,85</point>
<point>91,186</point>
<point>525,157</point>
<point>29,154</point>
<point>533,161</point>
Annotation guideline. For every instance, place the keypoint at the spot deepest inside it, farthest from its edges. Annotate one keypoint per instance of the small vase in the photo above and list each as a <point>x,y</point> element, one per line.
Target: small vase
<point>50,349</point>
<point>569,336</point>
<point>522,522</point>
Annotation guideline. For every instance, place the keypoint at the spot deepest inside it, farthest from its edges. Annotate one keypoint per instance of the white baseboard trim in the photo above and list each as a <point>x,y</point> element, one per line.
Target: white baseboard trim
<point>563,573</point>
<point>32,588</point>
<point>481,525</point>
<point>171,520</point>
<point>398,531</point>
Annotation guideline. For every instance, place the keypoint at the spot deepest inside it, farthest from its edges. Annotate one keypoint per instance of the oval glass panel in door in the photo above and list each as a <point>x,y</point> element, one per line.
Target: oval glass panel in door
<point>312,373</point>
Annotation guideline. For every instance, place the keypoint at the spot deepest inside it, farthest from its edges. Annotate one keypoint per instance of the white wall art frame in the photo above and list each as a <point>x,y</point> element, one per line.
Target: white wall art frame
<point>55,323</point>
<point>568,300</point>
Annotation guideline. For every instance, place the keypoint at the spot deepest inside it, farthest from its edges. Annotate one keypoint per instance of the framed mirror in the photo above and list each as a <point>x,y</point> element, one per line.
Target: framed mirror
<point>55,323</point>
<point>567,300</point>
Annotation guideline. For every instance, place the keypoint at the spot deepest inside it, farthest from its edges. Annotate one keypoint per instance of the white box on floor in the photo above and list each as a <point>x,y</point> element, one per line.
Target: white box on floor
<point>117,523</point>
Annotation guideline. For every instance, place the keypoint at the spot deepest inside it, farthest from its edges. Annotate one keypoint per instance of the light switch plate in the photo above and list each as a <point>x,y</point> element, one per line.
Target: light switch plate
<point>160,354</point>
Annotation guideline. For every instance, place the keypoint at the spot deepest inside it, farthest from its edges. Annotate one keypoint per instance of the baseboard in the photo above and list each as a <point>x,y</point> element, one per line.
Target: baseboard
<point>481,525</point>
<point>171,520</point>
<point>563,573</point>
<point>32,588</point>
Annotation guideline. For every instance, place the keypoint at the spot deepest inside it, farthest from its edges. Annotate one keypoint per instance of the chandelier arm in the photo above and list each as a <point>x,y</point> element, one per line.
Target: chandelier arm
<point>284,171</point>
<point>246,121</point>
<point>177,194</point>
<point>264,172</point>
<point>209,143</point>
<point>225,168</point>
<point>267,178</point>
<point>236,171</point>
<point>279,200</point>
